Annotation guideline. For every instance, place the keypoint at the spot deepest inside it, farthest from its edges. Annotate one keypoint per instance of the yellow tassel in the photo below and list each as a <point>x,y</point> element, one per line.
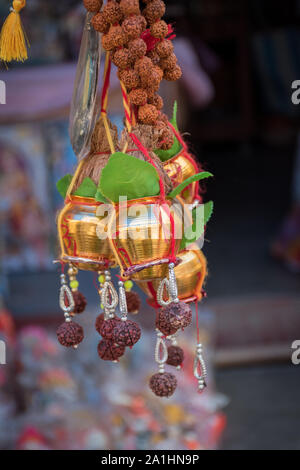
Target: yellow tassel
<point>13,40</point>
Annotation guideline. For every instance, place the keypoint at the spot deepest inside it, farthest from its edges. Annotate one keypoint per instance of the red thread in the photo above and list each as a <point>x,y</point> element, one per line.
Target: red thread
<point>151,41</point>
<point>197,322</point>
<point>105,86</point>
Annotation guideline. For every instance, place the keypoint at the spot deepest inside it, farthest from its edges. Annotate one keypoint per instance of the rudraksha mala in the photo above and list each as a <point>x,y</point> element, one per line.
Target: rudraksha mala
<point>126,36</point>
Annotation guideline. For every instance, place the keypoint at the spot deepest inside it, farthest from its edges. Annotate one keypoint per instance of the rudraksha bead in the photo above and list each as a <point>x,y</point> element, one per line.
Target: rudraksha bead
<point>121,59</point>
<point>164,48</point>
<point>133,302</point>
<point>112,12</point>
<point>137,48</point>
<point>100,24</point>
<point>138,96</point>
<point>154,11</point>
<point>69,334</point>
<point>163,385</point>
<point>159,29</point>
<point>175,356</point>
<point>148,114</point>
<point>109,351</point>
<point>79,301</point>
<point>132,27</point>
<point>93,5</point>
<point>126,333</point>
<point>173,74</point>
<point>130,7</point>
<point>107,328</point>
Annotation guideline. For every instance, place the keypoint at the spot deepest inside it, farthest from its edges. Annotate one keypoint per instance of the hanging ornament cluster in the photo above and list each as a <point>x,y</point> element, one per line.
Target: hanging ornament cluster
<point>148,170</point>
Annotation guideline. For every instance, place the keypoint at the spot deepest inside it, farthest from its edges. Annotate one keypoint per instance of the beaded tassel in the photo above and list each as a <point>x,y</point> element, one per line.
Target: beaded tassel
<point>200,371</point>
<point>69,333</point>
<point>109,297</point>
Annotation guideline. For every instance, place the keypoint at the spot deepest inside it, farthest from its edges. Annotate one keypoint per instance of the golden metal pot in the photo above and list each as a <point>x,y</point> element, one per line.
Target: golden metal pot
<point>179,168</point>
<point>140,236</point>
<point>190,276</point>
<point>77,223</point>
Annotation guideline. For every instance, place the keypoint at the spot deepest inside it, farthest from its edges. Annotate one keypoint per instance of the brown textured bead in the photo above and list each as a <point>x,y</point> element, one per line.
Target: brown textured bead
<point>153,78</point>
<point>154,57</point>
<point>137,48</point>
<point>164,48</point>
<point>163,324</point>
<point>176,315</point>
<point>93,5</point>
<point>163,385</point>
<point>173,74</point>
<point>168,62</point>
<point>107,42</point>
<point>157,101</point>
<point>69,334</point>
<point>130,78</point>
<point>79,301</point>
<point>138,96</point>
<point>154,11</point>
<point>121,59</point>
<point>148,114</point>
<point>127,333</point>
<point>112,12</point>
<point>130,7</point>
<point>150,92</point>
<point>133,302</point>
<point>158,71</point>
<point>167,139</point>
<point>143,66</point>
<point>132,27</point>
<point>107,327</point>
<point>175,356</point>
<point>108,351</point>
<point>100,24</point>
<point>142,21</point>
<point>159,29</point>
<point>117,36</point>
<point>98,322</point>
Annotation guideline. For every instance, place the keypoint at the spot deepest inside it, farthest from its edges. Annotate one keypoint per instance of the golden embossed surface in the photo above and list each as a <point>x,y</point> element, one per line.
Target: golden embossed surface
<point>190,274</point>
<point>77,224</point>
<point>142,235</point>
<point>179,168</point>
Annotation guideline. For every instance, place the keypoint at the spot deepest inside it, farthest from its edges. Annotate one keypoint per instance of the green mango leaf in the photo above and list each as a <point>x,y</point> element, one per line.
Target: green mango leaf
<point>128,176</point>
<point>188,181</point>
<point>100,198</point>
<point>87,188</point>
<point>208,211</point>
<point>63,184</point>
<point>165,155</point>
<point>201,215</point>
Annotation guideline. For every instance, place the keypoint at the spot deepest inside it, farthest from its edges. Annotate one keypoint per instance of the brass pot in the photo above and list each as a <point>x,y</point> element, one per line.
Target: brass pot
<point>140,236</point>
<point>77,223</point>
<point>190,276</point>
<point>179,168</point>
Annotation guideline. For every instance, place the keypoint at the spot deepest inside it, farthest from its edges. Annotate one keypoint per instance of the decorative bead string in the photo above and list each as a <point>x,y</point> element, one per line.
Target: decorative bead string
<point>66,301</point>
<point>161,352</point>
<point>109,297</point>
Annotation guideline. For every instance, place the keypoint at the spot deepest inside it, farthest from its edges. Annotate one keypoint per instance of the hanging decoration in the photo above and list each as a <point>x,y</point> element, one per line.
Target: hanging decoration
<point>13,39</point>
<point>144,182</point>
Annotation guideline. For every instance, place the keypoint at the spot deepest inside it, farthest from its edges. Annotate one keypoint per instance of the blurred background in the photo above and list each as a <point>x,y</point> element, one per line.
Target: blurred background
<point>239,61</point>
